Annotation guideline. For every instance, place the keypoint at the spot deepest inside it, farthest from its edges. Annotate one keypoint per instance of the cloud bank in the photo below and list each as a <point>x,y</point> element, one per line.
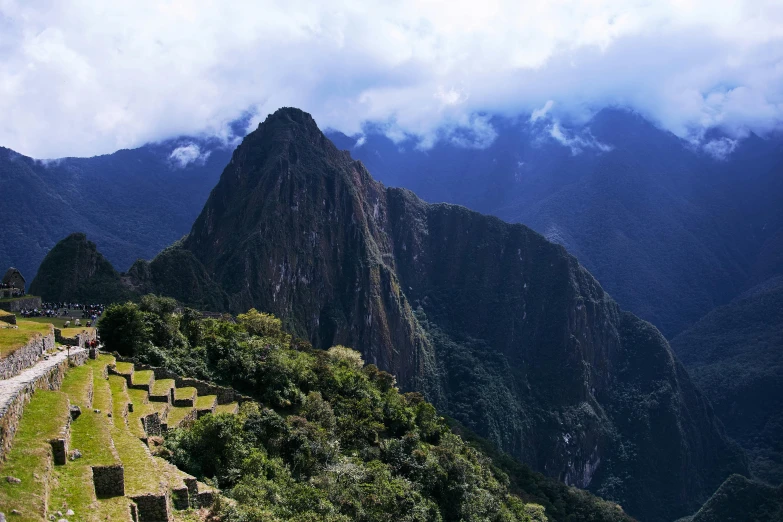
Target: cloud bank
<point>84,77</point>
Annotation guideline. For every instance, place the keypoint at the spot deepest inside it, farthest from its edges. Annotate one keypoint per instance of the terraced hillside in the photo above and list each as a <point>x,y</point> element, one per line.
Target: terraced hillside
<point>104,413</point>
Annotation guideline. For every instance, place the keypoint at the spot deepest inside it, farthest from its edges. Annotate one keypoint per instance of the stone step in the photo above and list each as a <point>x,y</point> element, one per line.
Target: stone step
<point>142,380</point>
<point>231,407</point>
<point>185,396</point>
<point>162,391</point>
<point>205,404</point>
<point>180,415</point>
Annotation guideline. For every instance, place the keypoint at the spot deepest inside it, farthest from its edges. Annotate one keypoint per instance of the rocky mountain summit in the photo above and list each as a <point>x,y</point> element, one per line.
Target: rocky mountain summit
<point>501,329</point>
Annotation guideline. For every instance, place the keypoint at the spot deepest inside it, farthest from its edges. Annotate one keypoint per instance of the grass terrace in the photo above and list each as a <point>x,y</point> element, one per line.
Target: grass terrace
<point>187,392</point>
<point>9,299</point>
<point>162,386</point>
<point>124,367</point>
<point>177,414</point>
<point>12,339</point>
<point>28,460</point>
<point>142,377</point>
<point>139,465</point>
<point>232,408</point>
<point>90,434</point>
<point>141,407</point>
<point>205,402</point>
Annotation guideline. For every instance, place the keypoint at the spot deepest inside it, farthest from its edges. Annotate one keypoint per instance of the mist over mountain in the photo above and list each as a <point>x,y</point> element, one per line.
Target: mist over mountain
<point>670,230</point>
<point>500,328</point>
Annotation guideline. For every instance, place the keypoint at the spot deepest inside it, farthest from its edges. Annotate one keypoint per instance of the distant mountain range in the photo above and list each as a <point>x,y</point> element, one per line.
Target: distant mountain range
<point>670,230</point>
<point>132,203</point>
<point>502,329</point>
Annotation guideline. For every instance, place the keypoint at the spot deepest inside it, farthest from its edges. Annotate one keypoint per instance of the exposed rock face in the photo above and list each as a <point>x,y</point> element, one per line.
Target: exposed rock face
<point>501,329</point>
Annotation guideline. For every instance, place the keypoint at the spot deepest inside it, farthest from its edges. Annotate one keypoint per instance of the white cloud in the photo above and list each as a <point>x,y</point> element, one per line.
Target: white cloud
<point>184,155</point>
<point>540,113</point>
<point>720,148</point>
<point>82,78</point>
<point>576,142</point>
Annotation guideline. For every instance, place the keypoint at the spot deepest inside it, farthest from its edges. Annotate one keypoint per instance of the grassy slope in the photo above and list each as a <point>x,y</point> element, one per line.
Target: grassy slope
<point>13,338</point>
<point>29,459</point>
<point>91,435</point>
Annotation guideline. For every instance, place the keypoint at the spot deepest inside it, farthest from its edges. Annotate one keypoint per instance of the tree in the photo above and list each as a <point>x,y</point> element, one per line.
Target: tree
<point>123,329</point>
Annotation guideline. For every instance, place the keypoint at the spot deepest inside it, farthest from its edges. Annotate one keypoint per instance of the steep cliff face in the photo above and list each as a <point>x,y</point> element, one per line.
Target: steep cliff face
<point>502,329</point>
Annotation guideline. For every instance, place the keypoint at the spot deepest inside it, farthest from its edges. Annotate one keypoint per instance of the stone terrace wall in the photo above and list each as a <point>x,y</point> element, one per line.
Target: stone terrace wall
<point>224,394</point>
<point>80,340</point>
<point>11,412</point>
<point>7,317</point>
<point>109,481</point>
<point>25,356</point>
<point>21,303</point>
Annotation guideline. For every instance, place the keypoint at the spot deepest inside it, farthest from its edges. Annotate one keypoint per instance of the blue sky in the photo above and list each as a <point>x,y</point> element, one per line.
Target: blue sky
<point>84,77</point>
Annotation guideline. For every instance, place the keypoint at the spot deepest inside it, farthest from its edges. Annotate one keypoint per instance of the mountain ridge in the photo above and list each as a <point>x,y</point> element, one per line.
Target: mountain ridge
<point>500,328</point>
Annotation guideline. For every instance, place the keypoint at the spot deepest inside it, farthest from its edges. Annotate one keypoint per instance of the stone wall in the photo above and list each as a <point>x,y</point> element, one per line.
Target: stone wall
<point>21,303</point>
<point>12,410</point>
<point>25,356</point>
<point>224,394</point>
<point>60,445</point>
<point>109,481</point>
<point>152,508</point>
<point>80,340</point>
<point>152,424</point>
<point>7,317</point>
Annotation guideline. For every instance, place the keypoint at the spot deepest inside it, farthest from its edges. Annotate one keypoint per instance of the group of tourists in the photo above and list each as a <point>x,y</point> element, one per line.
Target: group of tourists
<point>91,312</point>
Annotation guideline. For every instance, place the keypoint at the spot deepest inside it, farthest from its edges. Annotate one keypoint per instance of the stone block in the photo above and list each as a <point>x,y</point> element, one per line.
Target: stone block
<point>109,481</point>
<point>152,508</point>
<point>59,451</point>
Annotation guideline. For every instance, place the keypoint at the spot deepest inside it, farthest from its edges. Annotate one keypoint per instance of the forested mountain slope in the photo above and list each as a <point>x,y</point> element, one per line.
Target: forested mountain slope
<point>132,203</point>
<point>735,355</point>
<point>500,328</point>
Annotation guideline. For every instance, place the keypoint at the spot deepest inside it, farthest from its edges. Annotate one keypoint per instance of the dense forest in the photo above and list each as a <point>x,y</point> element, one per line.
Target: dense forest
<point>327,437</point>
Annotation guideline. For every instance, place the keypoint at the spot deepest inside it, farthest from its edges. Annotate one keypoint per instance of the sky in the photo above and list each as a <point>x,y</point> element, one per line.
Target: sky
<point>81,78</point>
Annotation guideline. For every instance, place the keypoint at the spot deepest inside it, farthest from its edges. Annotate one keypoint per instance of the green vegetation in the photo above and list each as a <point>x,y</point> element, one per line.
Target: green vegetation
<point>205,401</point>
<point>739,499</point>
<point>162,386</point>
<point>735,355</point>
<point>187,392</point>
<point>90,434</point>
<point>337,442</point>
<point>142,377</point>
<point>73,332</point>
<point>10,299</point>
<point>44,418</point>
<point>132,452</point>
<point>13,338</point>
